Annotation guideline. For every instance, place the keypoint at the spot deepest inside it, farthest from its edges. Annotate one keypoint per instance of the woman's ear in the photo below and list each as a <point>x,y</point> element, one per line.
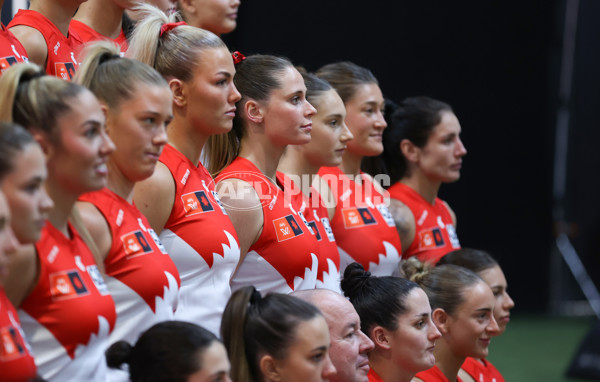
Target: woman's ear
<point>179,91</point>
<point>254,111</point>
<point>409,150</point>
<point>441,320</point>
<point>268,368</point>
<point>44,142</point>
<point>381,337</point>
<point>188,6</point>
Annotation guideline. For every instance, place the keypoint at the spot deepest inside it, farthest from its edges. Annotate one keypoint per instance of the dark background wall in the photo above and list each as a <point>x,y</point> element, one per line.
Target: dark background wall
<point>497,63</point>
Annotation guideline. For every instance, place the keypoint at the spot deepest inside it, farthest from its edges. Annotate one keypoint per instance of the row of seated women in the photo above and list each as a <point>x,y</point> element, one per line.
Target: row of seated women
<point>121,226</point>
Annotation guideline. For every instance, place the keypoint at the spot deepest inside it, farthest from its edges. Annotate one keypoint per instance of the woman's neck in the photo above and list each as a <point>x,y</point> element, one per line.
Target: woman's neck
<point>118,182</point>
<point>382,363</point>
<point>448,362</point>
<point>103,16</point>
<point>262,153</point>
<point>294,163</point>
<point>63,204</point>
<point>351,163</point>
<point>186,139</point>
<point>426,188</point>
<point>60,15</point>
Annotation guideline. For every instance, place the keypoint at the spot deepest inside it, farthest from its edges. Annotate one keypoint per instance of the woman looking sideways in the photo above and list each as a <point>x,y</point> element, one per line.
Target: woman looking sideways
<point>217,16</point>
<point>173,351</point>
<point>279,251</point>
<point>363,228</point>
<point>300,164</point>
<point>275,338</point>
<point>18,153</point>
<point>179,199</point>
<point>423,150</point>
<point>140,275</point>
<point>396,315</point>
<point>60,276</point>
<point>463,306</point>
<point>489,270</point>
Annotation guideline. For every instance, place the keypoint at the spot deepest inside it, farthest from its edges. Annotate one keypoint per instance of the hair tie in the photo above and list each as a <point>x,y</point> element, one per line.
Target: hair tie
<point>237,57</point>
<point>168,26</point>
<point>255,297</point>
<point>108,57</point>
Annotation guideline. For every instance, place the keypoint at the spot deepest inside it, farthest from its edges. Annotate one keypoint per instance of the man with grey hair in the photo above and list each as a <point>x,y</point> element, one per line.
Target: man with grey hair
<point>349,345</point>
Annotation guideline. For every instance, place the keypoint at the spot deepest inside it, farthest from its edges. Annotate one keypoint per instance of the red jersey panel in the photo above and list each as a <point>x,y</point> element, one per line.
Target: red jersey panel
<point>87,35</point>
<point>482,371</point>
<point>434,375</point>
<point>69,315</point>
<point>62,51</point>
<point>284,258</point>
<point>373,376</point>
<point>11,50</point>
<point>435,235</point>
<point>317,218</point>
<point>141,277</point>
<point>202,242</point>
<point>16,361</point>
<point>363,227</point>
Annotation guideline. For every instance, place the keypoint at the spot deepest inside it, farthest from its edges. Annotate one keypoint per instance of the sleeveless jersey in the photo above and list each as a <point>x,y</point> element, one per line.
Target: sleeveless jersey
<point>434,375</point>
<point>373,376</point>
<point>141,277</point>
<point>363,227</point>
<point>482,371</point>
<point>284,258</point>
<point>16,361</point>
<point>315,213</point>
<point>202,242</point>
<point>62,51</point>
<point>435,235</point>
<point>11,50</point>
<point>69,315</point>
<point>88,34</point>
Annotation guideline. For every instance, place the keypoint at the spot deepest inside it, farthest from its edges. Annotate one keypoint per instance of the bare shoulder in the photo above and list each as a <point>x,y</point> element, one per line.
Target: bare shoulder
<point>452,213</point>
<point>405,222</point>
<point>244,207</point>
<point>97,226</point>
<point>23,273</point>
<point>34,43</point>
<point>155,196</point>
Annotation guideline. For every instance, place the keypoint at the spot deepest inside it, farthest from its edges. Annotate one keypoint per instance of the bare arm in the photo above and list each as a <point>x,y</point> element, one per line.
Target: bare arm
<point>23,275</point>
<point>34,43</point>
<point>244,209</point>
<point>405,222</point>
<point>97,226</point>
<point>155,196</point>
<point>451,214</point>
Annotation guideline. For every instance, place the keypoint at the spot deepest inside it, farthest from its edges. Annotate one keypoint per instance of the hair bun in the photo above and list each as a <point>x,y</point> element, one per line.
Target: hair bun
<point>355,280</point>
<point>118,354</point>
<point>414,270</point>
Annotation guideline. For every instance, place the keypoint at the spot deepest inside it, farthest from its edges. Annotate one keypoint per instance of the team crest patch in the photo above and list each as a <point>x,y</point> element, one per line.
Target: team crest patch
<point>65,70</point>
<point>196,202</point>
<point>431,238</point>
<point>135,244</point>
<point>7,62</point>
<point>357,217</point>
<point>66,285</point>
<point>11,346</point>
<point>287,228</point>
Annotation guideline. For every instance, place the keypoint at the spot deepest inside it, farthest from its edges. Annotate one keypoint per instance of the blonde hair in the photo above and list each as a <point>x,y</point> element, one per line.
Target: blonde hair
<point>173,53</point>
<point>110,77</point>
<point>35,100</point>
